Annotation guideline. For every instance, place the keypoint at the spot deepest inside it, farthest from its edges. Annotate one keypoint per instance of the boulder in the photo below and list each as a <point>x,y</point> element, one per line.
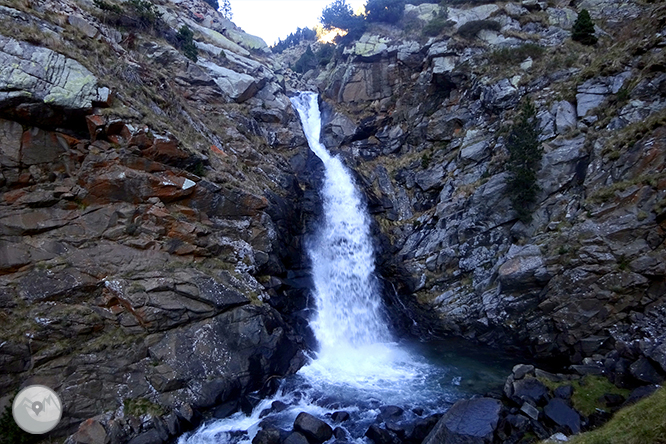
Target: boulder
<point>379,435</point>
<point>561,414</point>
<point>468,421</point>
<point>644,371</point>
<point>314,429</point>
<point>531,389</point>
<point>237,86</point>
<point>565,117</point>
<point>35,73</point>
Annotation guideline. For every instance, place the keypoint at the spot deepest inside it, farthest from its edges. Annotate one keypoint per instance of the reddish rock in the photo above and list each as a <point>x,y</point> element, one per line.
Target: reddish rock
<point>167,151</point>
<point>141,140</point>
<point>218,151</point>
<point>119,183</point>
<point>12,196</point>
<point>95,126</point>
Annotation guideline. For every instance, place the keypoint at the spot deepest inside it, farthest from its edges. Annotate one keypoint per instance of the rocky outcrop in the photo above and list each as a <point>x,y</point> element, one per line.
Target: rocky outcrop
<point>146,229</point>
<point>581,279</point>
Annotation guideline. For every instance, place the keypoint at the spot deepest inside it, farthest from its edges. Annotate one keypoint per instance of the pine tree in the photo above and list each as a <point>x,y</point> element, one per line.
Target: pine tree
<point>583,29</point>
<point>225,10</point>
<point>524,161</point>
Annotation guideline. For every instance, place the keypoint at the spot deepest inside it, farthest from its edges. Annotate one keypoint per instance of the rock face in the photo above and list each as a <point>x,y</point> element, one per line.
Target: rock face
<point>145,237</point>
<point>581,279</point>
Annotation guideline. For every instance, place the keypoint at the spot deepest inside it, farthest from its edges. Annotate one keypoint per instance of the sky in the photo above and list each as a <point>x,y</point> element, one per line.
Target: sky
<point>273,19</point>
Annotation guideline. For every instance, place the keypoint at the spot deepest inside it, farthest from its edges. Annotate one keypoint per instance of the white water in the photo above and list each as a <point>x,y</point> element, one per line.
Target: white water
<point>358,366</point>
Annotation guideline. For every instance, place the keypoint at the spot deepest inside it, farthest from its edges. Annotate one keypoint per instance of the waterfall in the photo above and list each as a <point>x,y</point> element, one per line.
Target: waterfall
<point>346,289</point>
<point>358,367</point>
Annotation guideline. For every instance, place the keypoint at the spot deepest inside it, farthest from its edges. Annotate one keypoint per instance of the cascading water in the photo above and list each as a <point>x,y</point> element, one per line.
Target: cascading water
<point>358,367</point>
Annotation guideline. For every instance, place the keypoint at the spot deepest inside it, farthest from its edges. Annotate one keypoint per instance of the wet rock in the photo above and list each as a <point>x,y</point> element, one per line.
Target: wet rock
<point>470,420</point>
<point>561,414</point>
<point>381,436</point>
<point>391,412</point>
<point>340,416</point>
<point>268,435</point>
<point>422,427</point>
<point>316,430</point>
<point>520,370</point>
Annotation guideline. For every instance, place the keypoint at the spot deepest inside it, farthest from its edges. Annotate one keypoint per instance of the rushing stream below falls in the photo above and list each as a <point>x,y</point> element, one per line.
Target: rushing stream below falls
<point>359,367</point>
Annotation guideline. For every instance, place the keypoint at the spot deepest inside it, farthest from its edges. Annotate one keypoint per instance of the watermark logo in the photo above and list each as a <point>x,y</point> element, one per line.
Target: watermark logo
<point>37,409</point>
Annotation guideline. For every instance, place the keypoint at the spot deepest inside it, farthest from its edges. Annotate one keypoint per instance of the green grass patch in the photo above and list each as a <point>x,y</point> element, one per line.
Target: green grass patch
<point>589,389</point>
<point>141,406</point>
<point>641,423</point>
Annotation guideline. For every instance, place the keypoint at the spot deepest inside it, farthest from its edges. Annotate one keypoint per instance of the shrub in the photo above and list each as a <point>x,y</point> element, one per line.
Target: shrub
<point>225,10</point>
<point>524,159</point>
<point>185,39</point>
<point>213,3</point>
<point>10,433</point>
<point>293,39</point>
<point>306,62</point>
<point>583,29</point>
<point>470,29</point>
<point>340,15</point>
<point>436,26</point>
<point>388,11</point>
<point>513,56</point>
<point>141,15</point>
<point>325,54</point>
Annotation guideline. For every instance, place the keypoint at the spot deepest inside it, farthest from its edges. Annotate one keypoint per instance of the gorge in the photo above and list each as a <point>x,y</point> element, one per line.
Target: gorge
<point>158,220</point>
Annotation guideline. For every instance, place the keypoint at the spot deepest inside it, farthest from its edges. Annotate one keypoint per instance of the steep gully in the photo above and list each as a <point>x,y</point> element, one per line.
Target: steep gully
<point>359,369</point>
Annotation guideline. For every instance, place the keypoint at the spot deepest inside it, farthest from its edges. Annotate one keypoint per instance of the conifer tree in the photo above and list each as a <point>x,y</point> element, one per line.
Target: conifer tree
<point>225,10</point>
<point>583,29</point>
<point>524,161</point>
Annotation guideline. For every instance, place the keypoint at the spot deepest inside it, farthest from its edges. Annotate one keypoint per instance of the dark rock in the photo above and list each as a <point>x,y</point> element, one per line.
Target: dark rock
<point>469,420</point>
<point>391,412</point>
<point>658,355</point>
<point>422,427</point>
<point>530,410</point>
<point>561,414</point>
<point>381,436</point>
<point>339,433</point>
<point>316,430</point>
<point>401,430</point>
<point>563,391</point>
<point>149,437</point>
<point>612,399</point>
<point>640,393</point>
<point>340,416</point>
<point>296,438</point>
<point>226,409</point>
<point>418,411</point>
<point>531,388</point>
<point>520,370</point>
<point>644,371</point>
<point>267,435</point>
<point>91,432</point>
